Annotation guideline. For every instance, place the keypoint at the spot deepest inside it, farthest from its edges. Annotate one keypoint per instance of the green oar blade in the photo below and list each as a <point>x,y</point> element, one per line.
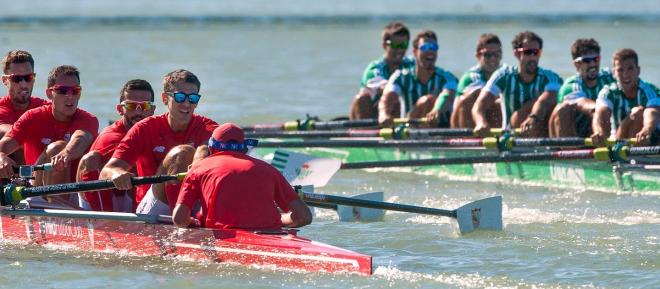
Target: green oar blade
<point>301,169</point>
<point>481,214</point>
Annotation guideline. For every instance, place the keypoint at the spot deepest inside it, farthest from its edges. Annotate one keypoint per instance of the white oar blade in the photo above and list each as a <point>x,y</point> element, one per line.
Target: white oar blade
<point>358,214</point>
<point>481,214</point>
<point>302,169</point>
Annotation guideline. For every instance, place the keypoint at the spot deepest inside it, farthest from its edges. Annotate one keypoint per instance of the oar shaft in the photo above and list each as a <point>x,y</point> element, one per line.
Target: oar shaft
<point>458,142</point>
<point>386,133</point>
<point>306,125</point>
<point>505,157</point>
<point>321,198</point>
<point>90,186</point>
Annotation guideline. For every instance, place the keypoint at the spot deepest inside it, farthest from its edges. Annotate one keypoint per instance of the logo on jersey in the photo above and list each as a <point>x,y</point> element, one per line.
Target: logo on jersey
<point>46,141</point>
<point>159,149</point>
<point>67,137</point>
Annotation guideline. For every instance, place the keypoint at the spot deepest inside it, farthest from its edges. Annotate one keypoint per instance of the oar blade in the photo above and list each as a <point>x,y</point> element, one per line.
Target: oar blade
<point>301,169</point>
<point>359,214</point>
<point>481,214</point>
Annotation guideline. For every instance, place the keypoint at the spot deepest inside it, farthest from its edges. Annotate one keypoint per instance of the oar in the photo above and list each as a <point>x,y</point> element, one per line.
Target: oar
<point>350,213</point>
<point>481,214</point>
<point>488,143</point>
<point>13,194</point>
<point>26,171</point>
<point>306,125</point>
<point>310,170</point>
<point>386,133</point>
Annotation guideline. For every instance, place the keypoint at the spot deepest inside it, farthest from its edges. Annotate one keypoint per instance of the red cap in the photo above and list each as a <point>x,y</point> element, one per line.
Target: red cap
<point>228,132</point>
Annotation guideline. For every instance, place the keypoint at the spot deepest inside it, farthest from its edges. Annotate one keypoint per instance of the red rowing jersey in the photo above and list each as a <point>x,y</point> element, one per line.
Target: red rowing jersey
<point>105,144</point>
<point>7,113</point>
<point>149,140</point>
<point>237,191</point>
<point>37,128</point>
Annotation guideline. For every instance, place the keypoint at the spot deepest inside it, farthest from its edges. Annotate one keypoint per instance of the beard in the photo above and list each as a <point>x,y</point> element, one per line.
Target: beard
<point>530,67</point>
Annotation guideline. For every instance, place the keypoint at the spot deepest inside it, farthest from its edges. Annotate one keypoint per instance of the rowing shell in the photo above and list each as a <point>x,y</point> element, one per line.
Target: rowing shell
<point>142,235</point>
<point>575,174</point>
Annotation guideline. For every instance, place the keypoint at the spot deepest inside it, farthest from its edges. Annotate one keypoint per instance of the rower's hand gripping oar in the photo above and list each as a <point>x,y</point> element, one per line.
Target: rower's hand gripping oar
<point>13,194</point>
<point>481,214</point>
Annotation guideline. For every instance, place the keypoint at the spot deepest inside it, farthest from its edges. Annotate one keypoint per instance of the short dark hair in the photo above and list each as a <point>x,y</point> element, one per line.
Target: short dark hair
<point>583,45</point>
<point>487,38</point>
<point>135,84</point>
<point>16,56</point>
<point>179,75</point>
<point>526,36</point>
<point>424,34</point>
<point>395,28</point>
<point>625,54</point>
<point>68,70</point>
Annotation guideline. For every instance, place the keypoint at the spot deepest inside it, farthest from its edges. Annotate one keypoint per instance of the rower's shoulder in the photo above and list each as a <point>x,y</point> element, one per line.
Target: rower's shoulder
<point>446,74</point>
<point>550,74</point>
<point>649,89</point>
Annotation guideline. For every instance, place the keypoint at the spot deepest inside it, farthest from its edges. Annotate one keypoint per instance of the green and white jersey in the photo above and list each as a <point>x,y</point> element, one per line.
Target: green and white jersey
<point>575,88</point>
<point>378,72</point>
<point>471,80</point>
<point>405,83</point>
<point>506,83</point>
<point>612,96</point>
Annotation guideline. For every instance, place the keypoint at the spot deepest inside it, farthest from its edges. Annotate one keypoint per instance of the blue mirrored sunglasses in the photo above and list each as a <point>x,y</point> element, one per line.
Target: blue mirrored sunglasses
<point>429,46</point>
<point>180,97</point>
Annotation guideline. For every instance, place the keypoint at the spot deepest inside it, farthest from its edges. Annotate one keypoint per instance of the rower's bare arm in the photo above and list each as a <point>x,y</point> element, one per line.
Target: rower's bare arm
<point>544,104</point>
<point>181,216</point>
<point>651,117</point>
<point>118,171</point>
<point>8,145</point>
<point>4,129</point>
<point>483,102</point>
<point>299,216</point>
<point>387,107</point>
<point>74,149</point>
<point>586,106</point>
<point>601,125</point>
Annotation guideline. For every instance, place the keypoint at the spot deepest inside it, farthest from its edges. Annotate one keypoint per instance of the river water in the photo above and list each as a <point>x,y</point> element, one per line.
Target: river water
<point>271,62</point>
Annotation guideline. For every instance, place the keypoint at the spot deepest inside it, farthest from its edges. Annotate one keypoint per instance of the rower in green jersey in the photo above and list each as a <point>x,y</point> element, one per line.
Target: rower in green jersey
<point>489,56</point>
<point>528,93</point>
<point>422,91</point>
<point>628,107</point>
<point>576,101</point>
<point>395,40</point>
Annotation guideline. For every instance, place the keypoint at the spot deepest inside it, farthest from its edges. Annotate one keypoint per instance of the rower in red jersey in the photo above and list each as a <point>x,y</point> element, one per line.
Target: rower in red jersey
<point>60,133</point>
<point>162,144</point>
<point>136,102</point>
<point>236,190</point>
<point>18,76</point>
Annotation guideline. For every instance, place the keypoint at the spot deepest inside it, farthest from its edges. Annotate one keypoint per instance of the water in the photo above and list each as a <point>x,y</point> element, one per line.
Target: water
<point>260,62</point>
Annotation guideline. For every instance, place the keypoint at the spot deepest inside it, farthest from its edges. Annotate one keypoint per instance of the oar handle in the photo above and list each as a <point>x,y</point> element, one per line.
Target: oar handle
<point>322,198</point>
<point>14,194</point>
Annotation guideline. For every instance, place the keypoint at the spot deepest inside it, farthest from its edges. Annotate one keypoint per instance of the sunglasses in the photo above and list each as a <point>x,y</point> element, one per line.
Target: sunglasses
<point>16,78</point>
<point>429,46</point>
<point>397,45</point>
<point>490,54</point>
<point>65,89</point>
<point>138,105</point>
<point>587,59</point>
<point>180,97</point>
<point>529,51</point>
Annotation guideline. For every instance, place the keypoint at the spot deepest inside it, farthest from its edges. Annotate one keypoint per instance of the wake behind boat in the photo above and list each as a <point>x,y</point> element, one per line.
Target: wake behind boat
<point>142,235</point>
